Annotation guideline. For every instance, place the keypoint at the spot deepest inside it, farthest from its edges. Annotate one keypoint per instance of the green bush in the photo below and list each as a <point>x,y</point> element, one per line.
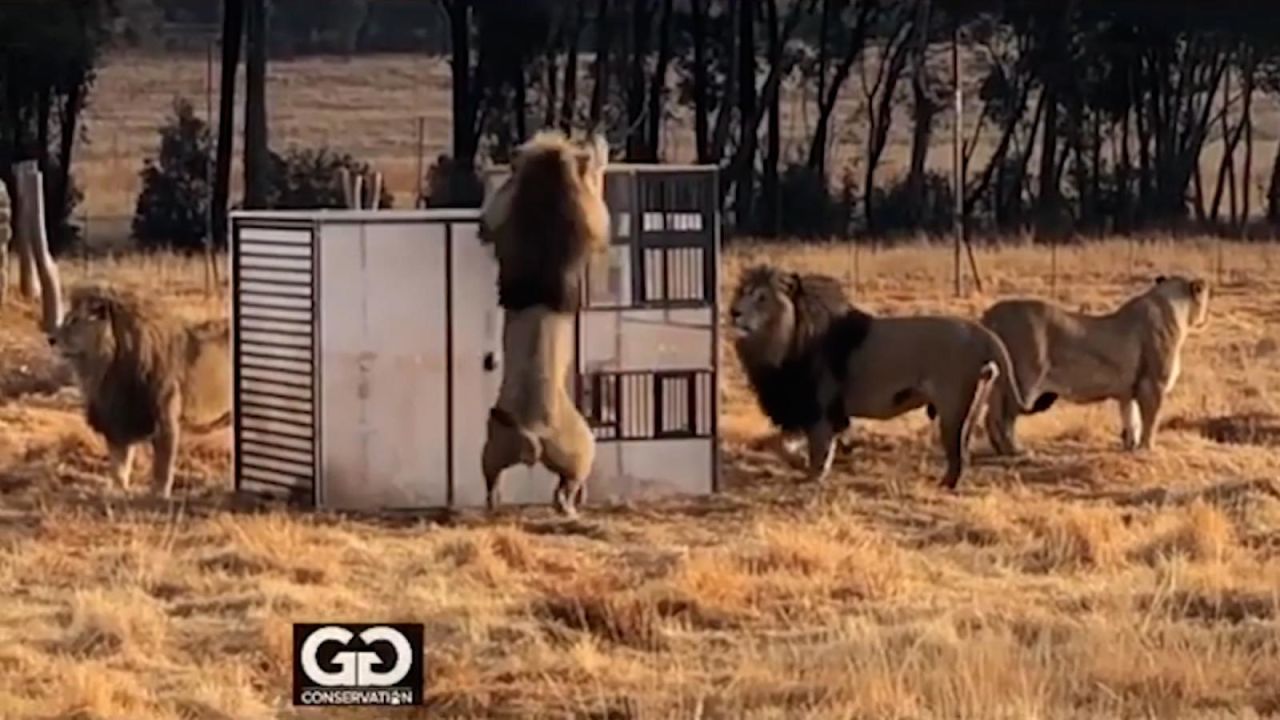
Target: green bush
<point>305,178</point>
<point>896,211</point>
<point>808,207</point>
<point>172,209</point>
<point>449,185</point>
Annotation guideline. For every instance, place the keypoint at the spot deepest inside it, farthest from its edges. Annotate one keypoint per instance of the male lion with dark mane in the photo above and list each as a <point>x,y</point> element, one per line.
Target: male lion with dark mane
<point>1131,355</point>
<point>543,222</point>
<point>144,374</point>
<point>814,361</point>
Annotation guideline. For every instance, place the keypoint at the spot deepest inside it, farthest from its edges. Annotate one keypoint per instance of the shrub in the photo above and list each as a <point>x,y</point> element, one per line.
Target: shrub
<point>309,178</point>
<point>450,185</point>
<point>896,211</point>
<point>173,206</point>
<point>176,194</point>
<point>808,207</point>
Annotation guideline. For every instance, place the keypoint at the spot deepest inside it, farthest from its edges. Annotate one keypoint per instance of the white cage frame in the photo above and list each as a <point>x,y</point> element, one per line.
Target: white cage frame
<point>279,326</point>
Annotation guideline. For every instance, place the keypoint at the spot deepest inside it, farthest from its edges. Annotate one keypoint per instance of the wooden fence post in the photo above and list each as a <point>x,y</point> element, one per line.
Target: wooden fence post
<point>375,191</point>
<point>32,211</point>
<point>6,225</point>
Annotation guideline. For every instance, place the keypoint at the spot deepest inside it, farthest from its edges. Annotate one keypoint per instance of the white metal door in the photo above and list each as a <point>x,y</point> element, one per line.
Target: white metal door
<point>384,363</point>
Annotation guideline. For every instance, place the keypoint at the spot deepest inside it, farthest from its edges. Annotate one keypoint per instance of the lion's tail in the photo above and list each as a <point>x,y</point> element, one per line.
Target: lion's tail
<point>530,445</point>
<point>217,423</point>
<point>999,353</point>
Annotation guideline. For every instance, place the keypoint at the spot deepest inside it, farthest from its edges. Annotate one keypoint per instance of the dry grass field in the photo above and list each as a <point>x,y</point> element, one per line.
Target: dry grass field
<point>1079,582</point>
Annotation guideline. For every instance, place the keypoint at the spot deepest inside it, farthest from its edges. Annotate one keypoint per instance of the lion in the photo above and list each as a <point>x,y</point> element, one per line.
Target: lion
<point>814,362</point>
<point>544,231</point>
<point>544,223</point>
<point>144,374</point>
<point>1131,355</point>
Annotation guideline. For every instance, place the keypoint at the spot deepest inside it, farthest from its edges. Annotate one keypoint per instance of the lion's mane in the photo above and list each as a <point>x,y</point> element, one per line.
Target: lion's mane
<point>826,331</point>
<point>151,352</point>
<point>553,218</point>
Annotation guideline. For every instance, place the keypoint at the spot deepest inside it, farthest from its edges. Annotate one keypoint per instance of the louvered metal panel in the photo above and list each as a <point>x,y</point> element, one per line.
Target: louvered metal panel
<point>276,418</point>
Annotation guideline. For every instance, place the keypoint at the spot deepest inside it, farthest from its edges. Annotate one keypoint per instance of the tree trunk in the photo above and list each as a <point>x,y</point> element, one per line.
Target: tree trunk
<point>701,113</point>
<point>1124,195</point>
<point>520,111</point>
<point>570,103</point>
<point>1227,166</point>
<point>465,141</point>
<point>1096,213</point>
<point>1273,191</point>
<point>1250,79</point>
<point>636,149</point>
<point>60,188</point>
<point>658,86</point>
<point>552,79</point>
<point>257,162</point>
<point>44,105</point>
<point>725,107</point>
<point>745,177</point>
<point>893,62</point>
<point>773,152</point>
<point>1047,197</point>
<point>604,42</point>
<point>232,31</point>
<point>827,103</point>
<point>923,110</point>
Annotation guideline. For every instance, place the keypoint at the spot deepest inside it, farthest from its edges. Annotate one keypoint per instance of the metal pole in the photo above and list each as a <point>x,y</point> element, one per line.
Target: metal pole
<point>210,270</point>
<point>957,150</point>
<point>422,138</point>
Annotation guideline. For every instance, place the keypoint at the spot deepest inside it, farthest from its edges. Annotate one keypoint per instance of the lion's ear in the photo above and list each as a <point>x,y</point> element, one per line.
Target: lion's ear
<point>1160,279</point>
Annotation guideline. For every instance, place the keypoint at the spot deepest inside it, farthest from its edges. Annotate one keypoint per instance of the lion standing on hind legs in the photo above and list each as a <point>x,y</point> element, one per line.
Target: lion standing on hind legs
<point>544,222</point>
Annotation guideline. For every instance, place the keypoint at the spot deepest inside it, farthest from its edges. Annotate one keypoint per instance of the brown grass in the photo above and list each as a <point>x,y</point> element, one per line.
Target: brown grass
<point>1079,582</point>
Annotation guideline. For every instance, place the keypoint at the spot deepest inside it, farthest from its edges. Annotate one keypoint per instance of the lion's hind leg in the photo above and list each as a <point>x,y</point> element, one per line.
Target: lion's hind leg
<point>957,420</point>
<point>505,445</point>
<point>1131,423</point>
<point>570,453</point>
<point>1002,414</point>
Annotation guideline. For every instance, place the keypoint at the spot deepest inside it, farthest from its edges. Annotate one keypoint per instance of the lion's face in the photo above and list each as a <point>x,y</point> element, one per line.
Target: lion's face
<point>758,305</point>
<point>1194,290</point>
<point>85,333</point>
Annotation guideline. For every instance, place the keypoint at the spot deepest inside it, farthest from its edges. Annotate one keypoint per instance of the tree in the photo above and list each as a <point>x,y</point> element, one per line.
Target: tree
<point>48,53</point>
<point>232,31</point>
<point>257,158</point>
<point>173,207</point>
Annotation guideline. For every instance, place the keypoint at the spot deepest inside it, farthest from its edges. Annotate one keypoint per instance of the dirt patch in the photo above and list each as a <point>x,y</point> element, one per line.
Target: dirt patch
<point>1260,429</point>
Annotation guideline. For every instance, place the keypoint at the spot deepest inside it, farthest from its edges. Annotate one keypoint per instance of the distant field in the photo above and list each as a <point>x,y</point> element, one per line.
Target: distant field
<point>1078,582</point>
<point>370,106</point>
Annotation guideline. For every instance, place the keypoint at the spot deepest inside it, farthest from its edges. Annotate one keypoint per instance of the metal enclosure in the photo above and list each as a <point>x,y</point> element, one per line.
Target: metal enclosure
<point>367,351</point>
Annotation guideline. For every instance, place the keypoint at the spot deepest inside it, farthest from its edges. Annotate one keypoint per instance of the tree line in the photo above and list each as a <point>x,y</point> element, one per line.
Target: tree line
<point>1081,116</point>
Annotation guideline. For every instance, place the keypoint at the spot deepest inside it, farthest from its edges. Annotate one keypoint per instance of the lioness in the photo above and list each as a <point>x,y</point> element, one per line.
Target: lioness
<point>144,373</point>
<point>814,361</point>
<point>1131,355</point>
